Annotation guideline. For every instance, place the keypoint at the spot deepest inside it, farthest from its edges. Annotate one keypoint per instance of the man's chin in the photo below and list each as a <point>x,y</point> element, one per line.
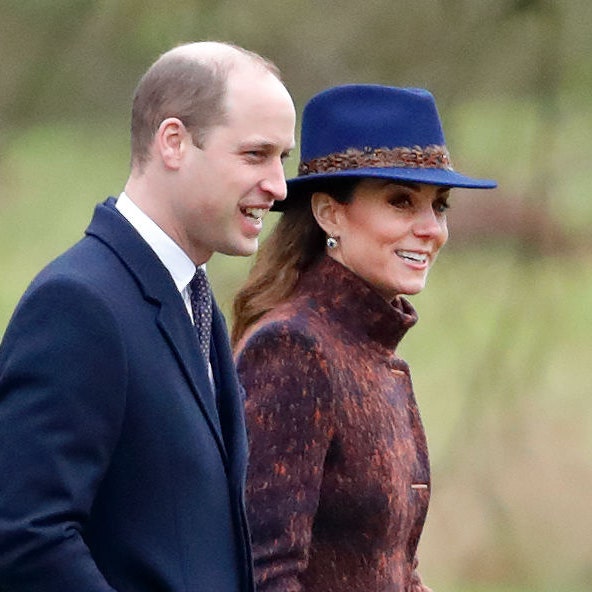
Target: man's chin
<point>245,249</point>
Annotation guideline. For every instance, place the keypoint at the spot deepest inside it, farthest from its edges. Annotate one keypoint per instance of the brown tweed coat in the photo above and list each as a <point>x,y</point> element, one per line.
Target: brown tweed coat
<point>339,478</point>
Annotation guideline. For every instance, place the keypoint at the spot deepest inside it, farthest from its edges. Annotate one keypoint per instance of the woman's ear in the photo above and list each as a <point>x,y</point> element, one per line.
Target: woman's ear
<point>325,209</point>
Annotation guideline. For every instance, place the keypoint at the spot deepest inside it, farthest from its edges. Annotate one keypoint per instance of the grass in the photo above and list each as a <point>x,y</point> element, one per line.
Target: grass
<point>500,360</point>
<point>50,179</point>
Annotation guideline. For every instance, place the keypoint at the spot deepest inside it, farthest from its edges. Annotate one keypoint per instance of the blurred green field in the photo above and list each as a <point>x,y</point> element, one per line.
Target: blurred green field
<point>500,358</point>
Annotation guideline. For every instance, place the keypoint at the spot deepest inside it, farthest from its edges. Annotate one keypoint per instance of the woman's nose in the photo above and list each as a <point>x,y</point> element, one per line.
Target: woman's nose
<point>429,223</point>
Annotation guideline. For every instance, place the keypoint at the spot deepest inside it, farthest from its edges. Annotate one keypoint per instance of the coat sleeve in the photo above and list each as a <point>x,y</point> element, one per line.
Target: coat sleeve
<point>62,383</point>
<point>289,421</point>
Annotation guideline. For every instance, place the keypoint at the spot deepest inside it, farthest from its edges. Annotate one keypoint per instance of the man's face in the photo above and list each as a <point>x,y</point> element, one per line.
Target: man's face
<point>226,187</point>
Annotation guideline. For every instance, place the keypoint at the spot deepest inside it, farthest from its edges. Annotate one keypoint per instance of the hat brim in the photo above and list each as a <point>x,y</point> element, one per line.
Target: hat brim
<point>298,185</point>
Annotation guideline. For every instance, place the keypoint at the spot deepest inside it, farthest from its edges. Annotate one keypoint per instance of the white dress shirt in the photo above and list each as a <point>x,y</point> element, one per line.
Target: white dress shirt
<point>179,265</point>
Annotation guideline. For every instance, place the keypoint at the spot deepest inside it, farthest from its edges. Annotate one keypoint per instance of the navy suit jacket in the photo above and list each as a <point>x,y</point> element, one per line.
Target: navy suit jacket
<point>117,471</point>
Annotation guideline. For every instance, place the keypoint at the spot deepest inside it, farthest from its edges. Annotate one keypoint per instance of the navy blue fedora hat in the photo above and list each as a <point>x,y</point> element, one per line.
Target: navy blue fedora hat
<point>370,130</point>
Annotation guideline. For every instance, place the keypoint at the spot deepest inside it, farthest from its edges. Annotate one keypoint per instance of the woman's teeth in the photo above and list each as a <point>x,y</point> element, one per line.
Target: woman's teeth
<point>412,256</point>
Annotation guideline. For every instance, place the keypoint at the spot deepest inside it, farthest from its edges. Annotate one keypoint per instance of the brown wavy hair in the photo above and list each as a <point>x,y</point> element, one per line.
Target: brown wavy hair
<point>296,243</point>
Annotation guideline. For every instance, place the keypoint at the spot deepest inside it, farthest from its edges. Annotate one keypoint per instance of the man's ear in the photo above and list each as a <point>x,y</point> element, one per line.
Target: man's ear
<point>327,212</point>
<point>170,141</point>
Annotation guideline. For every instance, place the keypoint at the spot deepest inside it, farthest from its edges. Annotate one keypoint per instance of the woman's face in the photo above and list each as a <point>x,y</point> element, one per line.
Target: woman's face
<point>391,232</point>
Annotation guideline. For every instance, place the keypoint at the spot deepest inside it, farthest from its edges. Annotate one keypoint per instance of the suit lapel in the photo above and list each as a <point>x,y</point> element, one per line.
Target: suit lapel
<point>158,288</point>
<point>230,405</point>
<point>182,339</point>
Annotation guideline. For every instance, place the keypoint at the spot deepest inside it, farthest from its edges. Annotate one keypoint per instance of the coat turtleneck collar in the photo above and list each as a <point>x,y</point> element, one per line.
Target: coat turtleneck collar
<point>350,301</point>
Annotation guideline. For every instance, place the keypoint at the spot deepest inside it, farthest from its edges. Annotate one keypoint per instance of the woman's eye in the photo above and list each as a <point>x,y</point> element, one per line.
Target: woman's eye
<point>401,201</point>
<point>441,206</point>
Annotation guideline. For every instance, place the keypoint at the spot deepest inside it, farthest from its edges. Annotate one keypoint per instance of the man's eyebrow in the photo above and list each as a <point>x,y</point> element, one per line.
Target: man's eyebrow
<point>265,145</point>
<point>257,143</point>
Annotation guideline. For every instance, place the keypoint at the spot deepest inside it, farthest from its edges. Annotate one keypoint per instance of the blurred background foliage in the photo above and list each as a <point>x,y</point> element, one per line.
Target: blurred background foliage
<point>501,355</point>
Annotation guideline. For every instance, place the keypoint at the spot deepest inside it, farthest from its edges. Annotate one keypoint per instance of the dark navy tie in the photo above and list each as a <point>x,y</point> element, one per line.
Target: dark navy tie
<point>201,306</point>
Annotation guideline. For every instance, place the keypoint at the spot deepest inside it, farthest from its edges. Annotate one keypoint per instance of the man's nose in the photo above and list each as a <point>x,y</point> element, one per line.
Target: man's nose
<point>274,182</point>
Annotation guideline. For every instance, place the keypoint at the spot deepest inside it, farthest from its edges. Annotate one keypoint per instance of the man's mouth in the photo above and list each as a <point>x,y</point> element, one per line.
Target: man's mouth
<point>257,214</point>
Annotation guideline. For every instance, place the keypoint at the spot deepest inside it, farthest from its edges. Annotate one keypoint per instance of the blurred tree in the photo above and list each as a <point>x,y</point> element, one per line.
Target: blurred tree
<point>76,57</point>
<point>79,60</point>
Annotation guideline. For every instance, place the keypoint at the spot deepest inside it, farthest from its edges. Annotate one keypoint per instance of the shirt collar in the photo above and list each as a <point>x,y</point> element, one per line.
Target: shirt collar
<point>179,265</point>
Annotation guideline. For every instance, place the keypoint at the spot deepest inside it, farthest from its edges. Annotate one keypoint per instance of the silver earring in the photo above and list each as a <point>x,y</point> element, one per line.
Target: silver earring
<point>331,242</point>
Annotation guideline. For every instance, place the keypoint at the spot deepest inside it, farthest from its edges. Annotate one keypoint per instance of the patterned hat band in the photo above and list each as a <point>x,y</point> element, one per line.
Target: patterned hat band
<point>430,157</point>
